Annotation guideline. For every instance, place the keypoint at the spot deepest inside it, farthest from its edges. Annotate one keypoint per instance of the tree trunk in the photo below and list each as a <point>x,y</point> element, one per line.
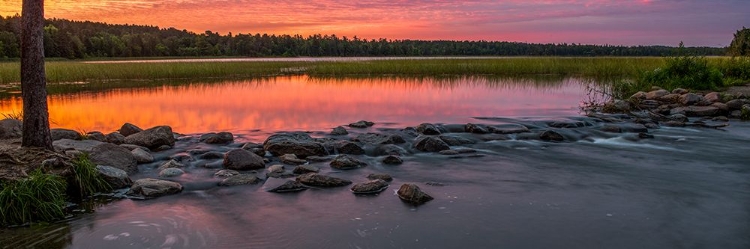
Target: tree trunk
<point>33,81</point>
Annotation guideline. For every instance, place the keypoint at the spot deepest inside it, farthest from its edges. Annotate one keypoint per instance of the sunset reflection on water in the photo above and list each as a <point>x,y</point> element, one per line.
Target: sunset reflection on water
<point>304,103</point>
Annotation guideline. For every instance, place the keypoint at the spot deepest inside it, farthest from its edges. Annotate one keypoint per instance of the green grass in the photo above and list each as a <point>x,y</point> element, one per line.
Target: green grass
<point>87,180</point>
<point>40,197</point>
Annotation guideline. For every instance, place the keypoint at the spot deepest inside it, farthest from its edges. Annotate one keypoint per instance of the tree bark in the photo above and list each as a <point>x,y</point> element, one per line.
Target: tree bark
<point>33,80</point>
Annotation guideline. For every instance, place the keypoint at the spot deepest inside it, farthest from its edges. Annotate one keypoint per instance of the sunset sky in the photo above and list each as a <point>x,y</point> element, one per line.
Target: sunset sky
<point>618,22</point>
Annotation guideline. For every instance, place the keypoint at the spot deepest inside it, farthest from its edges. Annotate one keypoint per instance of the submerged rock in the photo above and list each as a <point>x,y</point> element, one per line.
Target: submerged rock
<point>390,149</point>
<point>278,185</point>
<point>299,144</point>
<point>170,164</point>
<point>412,194</point>
<point>384,177</point>
<point>152,138</point>
<point>241,179</point>
<point>430,144</point>
<point>477,129</point>
<point>314,179</point>
<point>303,169</point>
<point>393,160</point>
<point>254,148</point>
<point>239,159</point>
<point>345,162</point>
<point>217,138</point>
<point>149,187</point>
<point>171,172</point>
<point>224,173</point>
<point>695,111</point>
<point>346,147</point>
<point>550,135</point>
<point>291,159</point>
<point>276,171</point>
<point>369,187</point>
<point>116,178</point>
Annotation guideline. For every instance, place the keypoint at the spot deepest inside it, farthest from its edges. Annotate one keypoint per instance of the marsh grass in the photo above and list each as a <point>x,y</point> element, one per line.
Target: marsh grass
<point>40,197</point>
<point>86,180</point>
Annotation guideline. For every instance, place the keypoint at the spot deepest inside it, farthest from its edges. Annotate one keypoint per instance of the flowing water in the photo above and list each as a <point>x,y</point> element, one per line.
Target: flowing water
<point>685,188</point>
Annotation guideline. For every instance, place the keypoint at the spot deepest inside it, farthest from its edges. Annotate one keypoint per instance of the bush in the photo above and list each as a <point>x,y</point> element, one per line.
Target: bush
<point>735,70</point>
<point>685,72</point>
<point>40,197</point>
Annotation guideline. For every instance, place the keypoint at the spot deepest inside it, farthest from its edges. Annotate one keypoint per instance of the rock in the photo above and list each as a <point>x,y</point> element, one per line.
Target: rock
<point>170,164</point>
<point>128,129</point>
<point>116,178</point>
<point>361,124</point>
<point>648,104</point>
<point>224,173</point>
<point>115,156</point>
<point>142,156</point>
<point>115,138</point>
<point>712,97</point>
<point>695,111</point>
<point>345,162</point>
<point>304,169</point>
<point>456,140</point>
<point>656,94</point>
<point>477,129</point>
<point>625,127</point>
<point>690,99</point>
<point>392,160</point>
<point>319,158</point>
<point>59,133</point>
<point>95,135</point>
<point>299,144</point>
<point>346,147</point>
<point>291,159</point>
<point>254,148</point>
<point>239,159</point>
<point>389,149</point>
<point>411,193</point>
<point>369,187</point>
<point>276,170</point>
<point>314,179</point>
<point>241,179</point>
<point>211,155</point>
<point>338,131</point>
<point>723,108</point>
<point>430,144</point>
<point>670,98</point>
<point>384,177</point>
<point>11,128</point>
<point>720,119</point>
<point>621,105</point>
<point>428,129</point>
<point>79,145</point>
<point>735,104</point>
<point>678,117</point>
<point>550,135</point>
<point>733,114</point>
<point>680,91</point>
<point>217,138</point>
<point>163,148</point>
<point>171,172</point>
<point>277,185</point>
<point>506,129</point>
<point>182,157</point>
<point>149,187</point>
<point>376,139</point>
<point>152,138</point>
<point>133,146</point>
<point>75,153</point>
<point>639,96</point>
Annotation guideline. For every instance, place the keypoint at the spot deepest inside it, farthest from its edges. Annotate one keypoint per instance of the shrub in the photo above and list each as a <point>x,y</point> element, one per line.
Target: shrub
<point>735,70</point>
<point>40,197</point>
<point>685,72</point>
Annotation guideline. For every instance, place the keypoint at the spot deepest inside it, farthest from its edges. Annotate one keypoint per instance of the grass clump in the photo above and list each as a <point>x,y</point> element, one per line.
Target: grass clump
<point>686,72</point>
<point>86,179</point>
<point>40,197</point>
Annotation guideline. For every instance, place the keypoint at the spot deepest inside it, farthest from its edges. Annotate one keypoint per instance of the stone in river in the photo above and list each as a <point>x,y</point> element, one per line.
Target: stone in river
<point>239,159</point>
<point>149,187</point>
<point>430,144</point>
<point>346,147</point>
<point>153,138</point>
<point>116,178</point>
<point>393,160</point>
<point>303,169</point>
<point>314,179</point>
<point>299,144</point>
<point>217,138</point>
<point>412,194</point>
<point>291,159</point>
<point>376,139</point>
<point>128,129</point>
<point>369,187</point>
<point>280,185</point>
<point>361,124</point>
<point>384,177</point>
<point>113,155</point>
<point>428,129</point>
<point>345,162</point>
<point>241,179</point>
<point>550,135</point>
<point>338,131</point>
<point>171,172</point>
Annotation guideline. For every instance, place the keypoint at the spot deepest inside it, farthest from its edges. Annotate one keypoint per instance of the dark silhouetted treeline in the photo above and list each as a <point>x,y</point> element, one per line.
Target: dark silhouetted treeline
<point>81,39</point>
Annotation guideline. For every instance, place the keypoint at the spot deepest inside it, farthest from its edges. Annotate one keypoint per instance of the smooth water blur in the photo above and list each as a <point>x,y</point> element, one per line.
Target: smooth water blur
<point>302,103</point>
<point>685,188</point>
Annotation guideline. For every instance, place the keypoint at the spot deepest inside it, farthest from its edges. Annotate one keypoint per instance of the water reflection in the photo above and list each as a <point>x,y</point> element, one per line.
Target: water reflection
<point>303,103</point>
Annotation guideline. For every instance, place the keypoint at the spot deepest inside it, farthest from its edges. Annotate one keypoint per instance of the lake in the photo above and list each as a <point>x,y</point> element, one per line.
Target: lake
<point>683,188</point>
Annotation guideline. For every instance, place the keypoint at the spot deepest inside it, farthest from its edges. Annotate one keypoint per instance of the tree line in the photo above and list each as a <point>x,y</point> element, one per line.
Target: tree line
<point>82,39</point>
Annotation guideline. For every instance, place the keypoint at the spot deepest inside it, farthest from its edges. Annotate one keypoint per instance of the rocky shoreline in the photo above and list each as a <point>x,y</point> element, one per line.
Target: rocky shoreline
<point>295,161</point>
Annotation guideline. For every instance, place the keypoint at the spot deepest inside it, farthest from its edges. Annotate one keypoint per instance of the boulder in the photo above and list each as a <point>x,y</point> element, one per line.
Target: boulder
<point>690,99</point>
<point>149,188</point>
<point>291,159</point>
<point>314,179</point>
<point>393,160</point>
<point>411,193</point>
<point>116,178</point>
<point>389,149</point>
<point>10,128</point>
<point>656,94</point>
<point>299,144</point>
<point>345,162</point>
<point>377,139</point>
<point>430,144</point>
<point>239,159</point>
<point>276,171</point>
<point>115,156</point>
<point>171,172</point>
<point>712,97</point>
<point>304,169</point>
<point>477,129</point>
<point>59,133</point>
<point>384,177</point>
<point>550,135</point>
<point>338,131</point>
<point>648,104</point>
<point>152,138</point>
<point>670,98</point>
<point>95,135</point>
<point>361,124</point>
<point>128,129</point>
<point>735,104</point>
<point>278,185</point>
<point>115,138</point>
<point>217,138</point>
<point>346,147</point>
<point>241,179</point>
<point>639,96</point>
<point>142,156</point>
<point>369,187</point>
<point>428,129</point>
<point>79,145</point>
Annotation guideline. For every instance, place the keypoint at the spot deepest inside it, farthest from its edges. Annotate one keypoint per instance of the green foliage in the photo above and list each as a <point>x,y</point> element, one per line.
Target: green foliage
<point>745,114</point>
<point>689,72</point>
<point>740,45</point>
<point>40,197</point>
<point>736,70</point>
<point>87,180</point>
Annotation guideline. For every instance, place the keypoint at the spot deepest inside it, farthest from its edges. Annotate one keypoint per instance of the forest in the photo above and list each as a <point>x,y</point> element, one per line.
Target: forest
<point>86,39</point>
